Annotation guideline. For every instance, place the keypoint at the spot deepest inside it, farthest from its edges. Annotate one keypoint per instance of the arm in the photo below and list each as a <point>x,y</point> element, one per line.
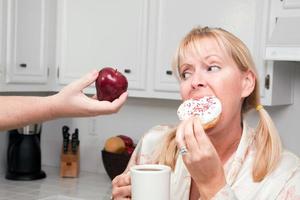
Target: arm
<point>18,111</point>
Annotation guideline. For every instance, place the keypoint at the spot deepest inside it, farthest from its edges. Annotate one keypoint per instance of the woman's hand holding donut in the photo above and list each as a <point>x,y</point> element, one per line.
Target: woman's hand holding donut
<point>121,187</point>
<point>201,158</point>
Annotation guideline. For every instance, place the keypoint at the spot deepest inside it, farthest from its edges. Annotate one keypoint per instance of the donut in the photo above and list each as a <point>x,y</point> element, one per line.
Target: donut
<point>208,108</point>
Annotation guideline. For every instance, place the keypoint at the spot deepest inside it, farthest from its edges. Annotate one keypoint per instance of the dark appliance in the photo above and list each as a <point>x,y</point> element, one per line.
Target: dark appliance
<point>24,154</point>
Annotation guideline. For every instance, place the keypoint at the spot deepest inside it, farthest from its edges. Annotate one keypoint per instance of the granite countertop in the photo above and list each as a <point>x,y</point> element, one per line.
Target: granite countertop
<point>88,186</point>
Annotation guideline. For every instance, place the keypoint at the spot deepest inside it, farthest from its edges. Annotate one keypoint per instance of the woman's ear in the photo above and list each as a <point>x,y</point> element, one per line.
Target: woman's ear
<point>248,83</point>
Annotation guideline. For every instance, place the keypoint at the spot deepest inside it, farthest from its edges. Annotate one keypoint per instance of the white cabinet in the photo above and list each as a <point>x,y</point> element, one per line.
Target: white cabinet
<point>174,18</point>
<point>93,34</point>
<point>278,83</point>
<point>1,39</point>
<point>282,9</point>
<point>276,77</point>
<point>249,20</point>
<point>25,41</point>
<point>49,43</point>
<point>283,30</point>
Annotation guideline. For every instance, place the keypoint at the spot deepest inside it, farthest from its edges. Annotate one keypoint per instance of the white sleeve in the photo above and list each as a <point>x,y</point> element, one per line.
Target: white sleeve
<point>291,190</point>
<point>226,193</point>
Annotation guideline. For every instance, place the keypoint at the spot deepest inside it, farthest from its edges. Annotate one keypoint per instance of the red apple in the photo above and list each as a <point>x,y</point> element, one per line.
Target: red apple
<point>110,84</point>
<point>129,149</point>
<point>127,140</point>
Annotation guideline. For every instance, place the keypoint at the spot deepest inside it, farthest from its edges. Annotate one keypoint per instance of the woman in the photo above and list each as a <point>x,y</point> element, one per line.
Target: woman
<point>230,160</point>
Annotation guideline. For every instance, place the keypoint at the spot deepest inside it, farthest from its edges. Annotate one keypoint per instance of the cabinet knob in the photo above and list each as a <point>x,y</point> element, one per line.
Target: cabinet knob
<point>267,82</point>
<point>23,65</point>
<point>127,71</point>
<point>169,72</point>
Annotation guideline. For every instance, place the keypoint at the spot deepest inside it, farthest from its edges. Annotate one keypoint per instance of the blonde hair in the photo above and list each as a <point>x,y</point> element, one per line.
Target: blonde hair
<point>267,140</point>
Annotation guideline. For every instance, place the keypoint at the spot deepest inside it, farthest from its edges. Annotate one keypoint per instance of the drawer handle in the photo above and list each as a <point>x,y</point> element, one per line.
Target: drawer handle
<point>267,82</point>
<point>169,72</point>
<point>23,65</point>
<point>127,71</point>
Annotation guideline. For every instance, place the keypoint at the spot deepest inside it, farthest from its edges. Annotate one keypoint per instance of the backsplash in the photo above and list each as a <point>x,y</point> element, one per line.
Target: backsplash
<point>134,119</point>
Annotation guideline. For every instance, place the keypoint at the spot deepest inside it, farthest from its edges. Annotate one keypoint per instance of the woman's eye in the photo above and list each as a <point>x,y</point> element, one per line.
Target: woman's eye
<point>185,75</point>
<point>213,68</point>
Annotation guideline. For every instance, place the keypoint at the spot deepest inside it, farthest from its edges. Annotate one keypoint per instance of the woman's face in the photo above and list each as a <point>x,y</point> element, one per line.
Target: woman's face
<point>213,72</point>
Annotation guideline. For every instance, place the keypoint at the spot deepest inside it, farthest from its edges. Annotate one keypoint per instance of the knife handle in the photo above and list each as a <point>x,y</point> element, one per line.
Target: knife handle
<point>75,141</point>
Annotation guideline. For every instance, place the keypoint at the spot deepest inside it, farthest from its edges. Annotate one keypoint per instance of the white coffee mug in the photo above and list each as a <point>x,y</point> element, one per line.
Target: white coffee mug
<point>150,182</point>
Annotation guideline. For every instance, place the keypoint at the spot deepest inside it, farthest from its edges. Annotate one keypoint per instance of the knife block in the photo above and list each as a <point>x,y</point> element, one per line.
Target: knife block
<point>70,163</point>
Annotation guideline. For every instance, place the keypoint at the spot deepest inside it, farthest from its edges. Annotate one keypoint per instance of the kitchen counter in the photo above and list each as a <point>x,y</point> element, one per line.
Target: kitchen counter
<point>89,186</point>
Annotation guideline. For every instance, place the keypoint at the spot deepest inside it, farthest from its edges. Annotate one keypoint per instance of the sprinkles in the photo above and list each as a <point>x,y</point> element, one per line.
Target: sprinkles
<point>207,108</point>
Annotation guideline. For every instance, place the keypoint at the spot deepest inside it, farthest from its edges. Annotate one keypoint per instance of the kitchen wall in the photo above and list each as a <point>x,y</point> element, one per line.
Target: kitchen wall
<point>136,117</point>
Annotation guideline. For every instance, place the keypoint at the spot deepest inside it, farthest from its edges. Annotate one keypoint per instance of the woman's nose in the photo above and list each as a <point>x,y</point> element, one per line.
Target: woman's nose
<point>198,82</point>
<point>195,86</point>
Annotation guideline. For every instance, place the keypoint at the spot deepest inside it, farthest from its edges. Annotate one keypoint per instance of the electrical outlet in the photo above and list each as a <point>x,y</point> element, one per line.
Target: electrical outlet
<point>92,126</point>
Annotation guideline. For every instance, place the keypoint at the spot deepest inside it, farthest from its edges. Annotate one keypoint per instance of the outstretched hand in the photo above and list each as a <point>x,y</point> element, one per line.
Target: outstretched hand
<point>71,101</point>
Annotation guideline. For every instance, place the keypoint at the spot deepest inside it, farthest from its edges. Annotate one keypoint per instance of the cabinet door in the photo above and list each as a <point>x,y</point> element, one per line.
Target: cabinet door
<point>275,76</point>
<point>1,40</point>
<point>175,18</point>
<point>94,34</point>
<point>281,13</point>
<point>26,44</point>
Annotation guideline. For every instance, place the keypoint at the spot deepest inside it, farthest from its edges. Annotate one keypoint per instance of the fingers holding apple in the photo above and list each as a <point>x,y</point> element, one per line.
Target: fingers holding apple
<point>110,84</point>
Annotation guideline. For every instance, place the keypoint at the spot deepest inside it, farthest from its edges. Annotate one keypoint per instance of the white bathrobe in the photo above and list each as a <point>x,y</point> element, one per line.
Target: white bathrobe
<point>282,183</point>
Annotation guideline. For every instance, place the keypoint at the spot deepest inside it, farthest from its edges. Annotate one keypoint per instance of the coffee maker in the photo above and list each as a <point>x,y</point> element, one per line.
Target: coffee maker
<point>24,154</point>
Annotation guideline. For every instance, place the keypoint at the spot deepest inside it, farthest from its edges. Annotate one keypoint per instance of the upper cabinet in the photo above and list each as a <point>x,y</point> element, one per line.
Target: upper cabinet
<point>27,50</point>
<point>277,44</point>
<point>1,39</point>
<point>252,21</point>
<point>26,44</point>
<point>172,20</point>
<point>283,38</point>
<point>93,34</point>
<point>49,43</point>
